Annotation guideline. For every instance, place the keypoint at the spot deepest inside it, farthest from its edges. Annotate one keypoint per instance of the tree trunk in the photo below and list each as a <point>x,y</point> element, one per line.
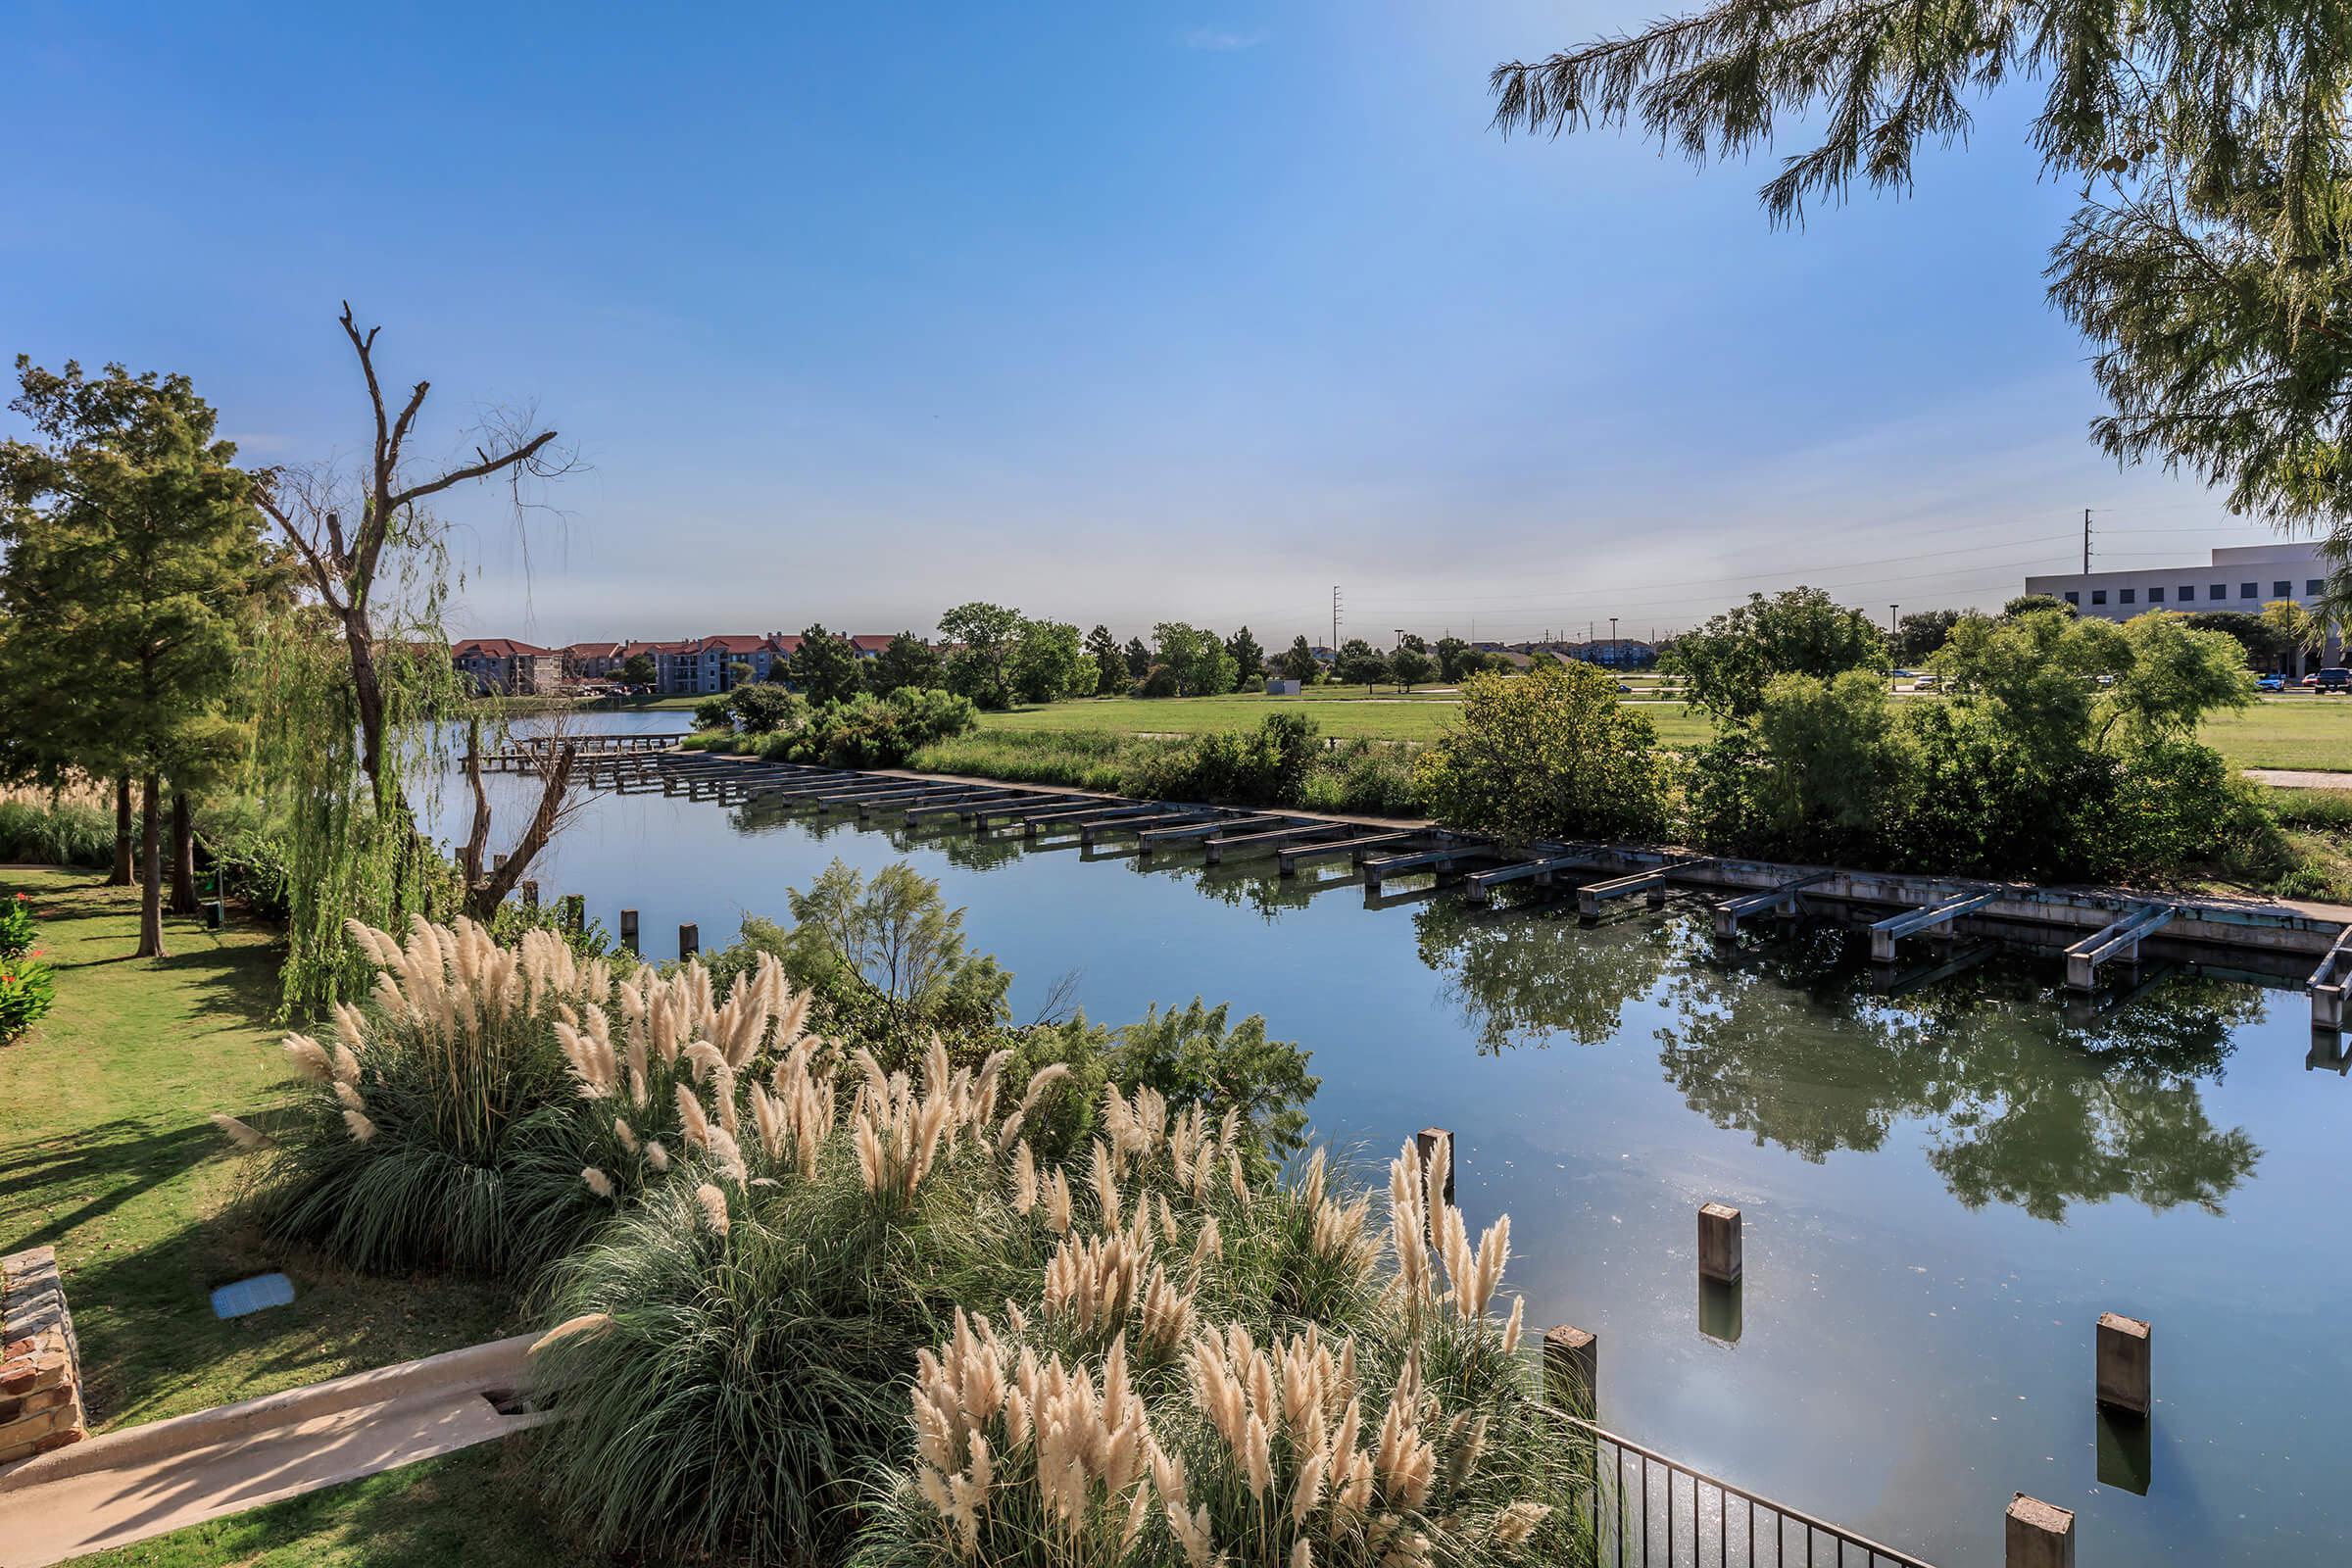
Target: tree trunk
<point>183,856</point>
<point>151,848</point>
<point>122,874</point>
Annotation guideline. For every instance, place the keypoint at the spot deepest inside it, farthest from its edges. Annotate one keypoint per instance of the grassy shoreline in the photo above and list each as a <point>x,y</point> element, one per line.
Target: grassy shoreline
<point>2282,732</point>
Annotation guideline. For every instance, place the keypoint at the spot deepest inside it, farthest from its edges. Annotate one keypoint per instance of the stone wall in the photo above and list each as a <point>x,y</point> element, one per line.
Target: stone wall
<point>40,1370</point>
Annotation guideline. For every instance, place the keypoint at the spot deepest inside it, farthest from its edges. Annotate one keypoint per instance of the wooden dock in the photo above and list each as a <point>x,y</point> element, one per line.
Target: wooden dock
<point>2094,931</point>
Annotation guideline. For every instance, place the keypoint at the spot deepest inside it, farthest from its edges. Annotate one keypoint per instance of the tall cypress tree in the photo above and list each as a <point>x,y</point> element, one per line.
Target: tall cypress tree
<point>131,546</point>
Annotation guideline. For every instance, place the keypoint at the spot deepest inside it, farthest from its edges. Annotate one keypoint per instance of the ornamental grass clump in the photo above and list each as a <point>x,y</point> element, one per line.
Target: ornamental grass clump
<point>757,1312</point>
<point>490,1104</point>
<point>743,1391</point>
<point>1412,1435</point>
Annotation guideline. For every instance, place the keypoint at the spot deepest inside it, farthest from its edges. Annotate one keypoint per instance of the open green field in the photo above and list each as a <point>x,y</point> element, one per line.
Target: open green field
<point>2296,731</point>
<point>1345,712</point>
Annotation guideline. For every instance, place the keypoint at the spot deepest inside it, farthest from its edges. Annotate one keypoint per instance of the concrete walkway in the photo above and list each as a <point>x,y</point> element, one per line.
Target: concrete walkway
<point>2299,778</point>
<point>146,1480</point>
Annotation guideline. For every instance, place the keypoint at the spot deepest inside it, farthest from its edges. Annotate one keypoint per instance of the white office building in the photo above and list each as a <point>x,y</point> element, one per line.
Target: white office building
<point>2244,577</point>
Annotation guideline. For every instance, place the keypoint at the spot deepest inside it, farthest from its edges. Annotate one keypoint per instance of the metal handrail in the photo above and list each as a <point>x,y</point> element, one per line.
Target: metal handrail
<point>1871,1552</point>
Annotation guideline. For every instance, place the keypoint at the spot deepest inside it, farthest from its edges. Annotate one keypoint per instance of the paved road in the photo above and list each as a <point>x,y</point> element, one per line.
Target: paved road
<point>2299,778</point>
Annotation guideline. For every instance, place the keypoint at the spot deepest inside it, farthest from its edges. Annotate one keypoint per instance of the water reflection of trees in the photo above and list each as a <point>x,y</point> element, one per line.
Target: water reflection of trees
<point>1527,977</point>
<point>2021,1099</point>
<point>2022,1103</point>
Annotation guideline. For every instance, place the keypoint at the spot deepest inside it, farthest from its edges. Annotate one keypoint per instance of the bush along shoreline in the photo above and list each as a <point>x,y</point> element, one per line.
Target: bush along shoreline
<point>926,1290</point>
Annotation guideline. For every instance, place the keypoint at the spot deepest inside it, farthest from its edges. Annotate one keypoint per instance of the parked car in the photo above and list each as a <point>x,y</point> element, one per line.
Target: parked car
<point>2336,680</point>
<point>1927,683</point>
<point>2312,680</point>
<point>2269,683</point>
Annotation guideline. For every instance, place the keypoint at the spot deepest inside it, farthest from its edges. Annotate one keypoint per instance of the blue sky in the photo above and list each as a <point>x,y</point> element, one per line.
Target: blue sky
<point>1117,312</point>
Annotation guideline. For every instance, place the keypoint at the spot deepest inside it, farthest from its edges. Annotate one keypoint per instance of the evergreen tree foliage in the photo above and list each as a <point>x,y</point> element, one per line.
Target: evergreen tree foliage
<point>1111,678</point>
<point>1359,664</point>
<point>907,661</point>
<point>826,669</point>
<point>132,553</point>
<point>1248,659</point>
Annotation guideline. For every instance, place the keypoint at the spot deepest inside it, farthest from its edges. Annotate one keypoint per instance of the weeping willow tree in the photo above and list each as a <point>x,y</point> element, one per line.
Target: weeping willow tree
<point>355,693</point>
<point>2209,262</point>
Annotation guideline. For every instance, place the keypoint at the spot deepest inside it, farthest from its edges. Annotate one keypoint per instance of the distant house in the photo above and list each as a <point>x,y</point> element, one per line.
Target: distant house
<point>868,645</point>
<point>503,667</point>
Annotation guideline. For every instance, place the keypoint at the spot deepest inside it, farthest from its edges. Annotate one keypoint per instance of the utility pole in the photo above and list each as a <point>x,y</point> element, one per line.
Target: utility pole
<point>1612,629</point>
<point>1334,620</point>
<point>1401,637</point>
<point>2085,541</point>
<point>1891,609</point>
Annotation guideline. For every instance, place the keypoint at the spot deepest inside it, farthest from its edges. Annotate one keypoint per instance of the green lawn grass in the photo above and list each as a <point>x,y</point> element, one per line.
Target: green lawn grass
<point>1345,712</point>
<point>106,1154</point>
<point>2297,731</point>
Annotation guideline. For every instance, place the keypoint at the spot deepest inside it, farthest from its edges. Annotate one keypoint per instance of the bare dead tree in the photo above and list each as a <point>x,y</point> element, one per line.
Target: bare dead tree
<point>552,762</point>
<point>342,565</point>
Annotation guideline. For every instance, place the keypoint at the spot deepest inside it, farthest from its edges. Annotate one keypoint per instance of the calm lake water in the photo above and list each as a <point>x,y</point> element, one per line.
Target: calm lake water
<point>1942,1187</point>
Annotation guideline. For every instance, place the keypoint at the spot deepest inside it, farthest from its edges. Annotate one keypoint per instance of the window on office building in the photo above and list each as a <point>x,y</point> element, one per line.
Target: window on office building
<point>2127,596</point>
<point>2155,596</point>
<point>2281,590</point>
<point>2249,590</point>
<point>2220,590</point>
<point>2098,596</point>
<point>2189,593</point>
<point>2314,586</point>
<point>2072,598</point>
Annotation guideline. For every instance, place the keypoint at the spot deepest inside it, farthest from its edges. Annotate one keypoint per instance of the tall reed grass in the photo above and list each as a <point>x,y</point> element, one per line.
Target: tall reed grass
<point>489,1106</point>
<point>1408,1432</point>
<point>41,832</point>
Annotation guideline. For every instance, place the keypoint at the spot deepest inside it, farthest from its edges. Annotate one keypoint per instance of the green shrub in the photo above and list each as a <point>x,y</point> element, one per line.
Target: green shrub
<point>55,834</point>
<point>763,708</point>
<point>16,927</point>
<point>1264,766</point>
<point>1553,753</point>
<point>28,990</point>
<point>713,713</point>
<point>868,731</point>
<point>1372,778</point>
<point>248,856</point>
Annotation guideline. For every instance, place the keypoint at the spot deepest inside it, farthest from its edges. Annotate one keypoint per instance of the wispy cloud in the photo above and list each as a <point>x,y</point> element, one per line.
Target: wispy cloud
<point>1222,40</point>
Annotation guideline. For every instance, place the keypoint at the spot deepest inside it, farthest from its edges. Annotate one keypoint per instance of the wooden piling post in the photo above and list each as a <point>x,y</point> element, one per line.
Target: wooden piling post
<point>1426,1142</point>
<point>2038,1535</point>
<point>2122,1380</point>
<point>1719,1243</point>
<point>1572,1370</point>
<point>575,913</point>
<point>628,930</point>
<point>531,893</point>
<point>690,942</point>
